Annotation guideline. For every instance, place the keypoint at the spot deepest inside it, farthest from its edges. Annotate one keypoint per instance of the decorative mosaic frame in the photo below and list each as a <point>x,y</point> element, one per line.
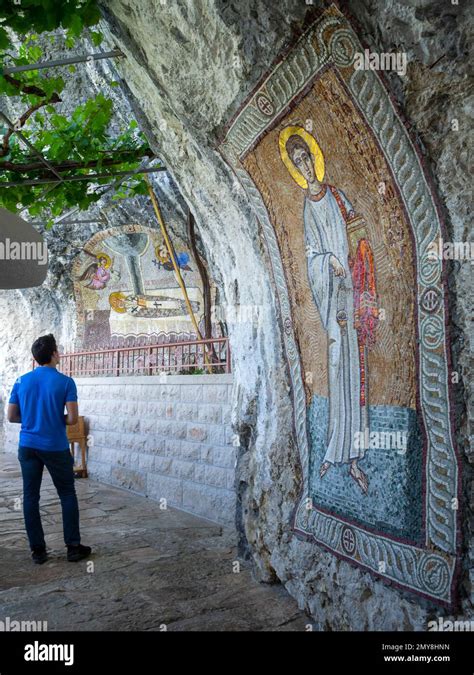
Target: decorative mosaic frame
<point>429,570</point>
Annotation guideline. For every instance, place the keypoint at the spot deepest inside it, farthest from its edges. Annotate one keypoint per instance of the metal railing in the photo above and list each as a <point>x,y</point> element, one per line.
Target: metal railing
<point>179,358</point>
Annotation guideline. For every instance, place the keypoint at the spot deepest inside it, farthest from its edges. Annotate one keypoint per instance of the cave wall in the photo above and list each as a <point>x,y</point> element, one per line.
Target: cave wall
<point>188,68</point>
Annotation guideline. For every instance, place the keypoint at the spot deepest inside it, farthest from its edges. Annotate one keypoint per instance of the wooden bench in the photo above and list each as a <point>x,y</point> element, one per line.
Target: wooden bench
<point>77,434</point>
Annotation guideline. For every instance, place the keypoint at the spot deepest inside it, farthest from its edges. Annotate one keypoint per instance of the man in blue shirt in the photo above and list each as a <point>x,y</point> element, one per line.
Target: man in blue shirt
<point>37,402</point>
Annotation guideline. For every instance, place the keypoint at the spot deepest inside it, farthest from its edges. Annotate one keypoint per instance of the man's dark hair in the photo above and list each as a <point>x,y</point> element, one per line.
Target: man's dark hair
<point>43,349</point>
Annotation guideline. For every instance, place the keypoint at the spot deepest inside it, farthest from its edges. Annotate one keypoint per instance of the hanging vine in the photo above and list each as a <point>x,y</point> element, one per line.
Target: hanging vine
<point>79,143</point>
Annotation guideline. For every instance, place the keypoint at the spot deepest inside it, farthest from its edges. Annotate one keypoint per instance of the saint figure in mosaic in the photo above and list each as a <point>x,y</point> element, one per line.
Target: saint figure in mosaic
<point>342,280</point>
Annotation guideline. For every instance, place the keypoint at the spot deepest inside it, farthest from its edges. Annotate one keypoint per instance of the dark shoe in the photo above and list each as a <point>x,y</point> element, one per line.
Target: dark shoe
<point>39,556</point>
<point>76,553</point>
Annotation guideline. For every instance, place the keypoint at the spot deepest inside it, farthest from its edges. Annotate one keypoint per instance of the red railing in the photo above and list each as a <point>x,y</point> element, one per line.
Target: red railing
<point>208,356</point>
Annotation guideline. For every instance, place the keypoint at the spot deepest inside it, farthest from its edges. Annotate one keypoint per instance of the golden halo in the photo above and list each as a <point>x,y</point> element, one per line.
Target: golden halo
<point>162,258</point>
<point>315,151</point>
<point>108,261</point>
<point>113,298</point>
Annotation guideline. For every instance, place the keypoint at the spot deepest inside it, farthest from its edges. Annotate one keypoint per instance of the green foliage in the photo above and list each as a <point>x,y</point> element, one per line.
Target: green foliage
<point>40,16</point>
<point>96,38</point>
<point>84,139</point>
<point>81,142</point>
<point>193,370</point>
<point>4,39</point>
<point>27,54</point>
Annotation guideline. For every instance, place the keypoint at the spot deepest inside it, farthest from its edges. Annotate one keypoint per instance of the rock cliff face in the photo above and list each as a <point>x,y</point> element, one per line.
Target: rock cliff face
<point>188,67</point>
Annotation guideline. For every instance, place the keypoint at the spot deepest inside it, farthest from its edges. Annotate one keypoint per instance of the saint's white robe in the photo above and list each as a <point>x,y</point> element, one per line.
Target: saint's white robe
<point>325,235</point>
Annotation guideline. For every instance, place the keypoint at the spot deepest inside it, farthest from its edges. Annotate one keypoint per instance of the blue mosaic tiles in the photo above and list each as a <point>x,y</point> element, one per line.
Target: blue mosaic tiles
<point>394,501</point>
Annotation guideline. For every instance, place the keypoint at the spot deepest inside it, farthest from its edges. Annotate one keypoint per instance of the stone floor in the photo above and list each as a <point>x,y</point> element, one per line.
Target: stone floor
<point>151,569</point>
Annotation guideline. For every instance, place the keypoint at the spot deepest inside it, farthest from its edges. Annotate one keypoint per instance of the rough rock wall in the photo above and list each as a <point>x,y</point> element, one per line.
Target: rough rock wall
<point>188,67</point>
<point>21,323</point>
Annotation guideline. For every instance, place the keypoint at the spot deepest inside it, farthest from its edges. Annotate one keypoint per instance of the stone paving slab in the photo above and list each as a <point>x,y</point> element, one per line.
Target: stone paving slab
<point>150,568</point>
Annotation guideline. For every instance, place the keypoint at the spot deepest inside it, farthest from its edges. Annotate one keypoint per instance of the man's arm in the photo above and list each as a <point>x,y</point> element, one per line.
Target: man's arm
<point>72,413</point>
<point>13,413</point>
<point>71,403</point>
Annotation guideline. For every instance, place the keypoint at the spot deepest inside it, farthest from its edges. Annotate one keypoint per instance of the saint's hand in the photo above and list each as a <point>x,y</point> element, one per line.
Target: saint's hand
<point>337,268</point>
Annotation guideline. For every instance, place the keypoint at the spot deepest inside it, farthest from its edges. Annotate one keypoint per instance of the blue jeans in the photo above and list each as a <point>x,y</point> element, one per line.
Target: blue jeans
<point>60,466</point>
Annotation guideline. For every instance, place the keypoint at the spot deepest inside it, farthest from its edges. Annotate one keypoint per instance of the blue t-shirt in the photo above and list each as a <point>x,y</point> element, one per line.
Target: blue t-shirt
<point>41,396</point>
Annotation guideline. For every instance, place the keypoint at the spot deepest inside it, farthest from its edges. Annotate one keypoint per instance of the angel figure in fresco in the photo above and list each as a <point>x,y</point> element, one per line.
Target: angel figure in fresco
<point>342,280</point>
<point>97,275</point>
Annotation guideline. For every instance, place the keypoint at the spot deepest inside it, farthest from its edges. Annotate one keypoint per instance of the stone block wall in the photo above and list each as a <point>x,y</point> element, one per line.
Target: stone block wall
<point>166,437</point>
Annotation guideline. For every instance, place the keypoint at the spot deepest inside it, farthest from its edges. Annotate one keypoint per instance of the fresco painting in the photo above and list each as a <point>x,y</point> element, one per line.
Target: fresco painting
<point>127,292</point>
<point>348,216</point>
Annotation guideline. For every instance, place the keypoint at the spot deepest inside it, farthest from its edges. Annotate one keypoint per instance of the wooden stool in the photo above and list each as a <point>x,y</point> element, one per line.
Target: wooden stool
<point>77,434</point>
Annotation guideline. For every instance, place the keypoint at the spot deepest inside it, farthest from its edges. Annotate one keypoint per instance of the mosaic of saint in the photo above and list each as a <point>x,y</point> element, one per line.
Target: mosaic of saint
<point>349,220</point>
